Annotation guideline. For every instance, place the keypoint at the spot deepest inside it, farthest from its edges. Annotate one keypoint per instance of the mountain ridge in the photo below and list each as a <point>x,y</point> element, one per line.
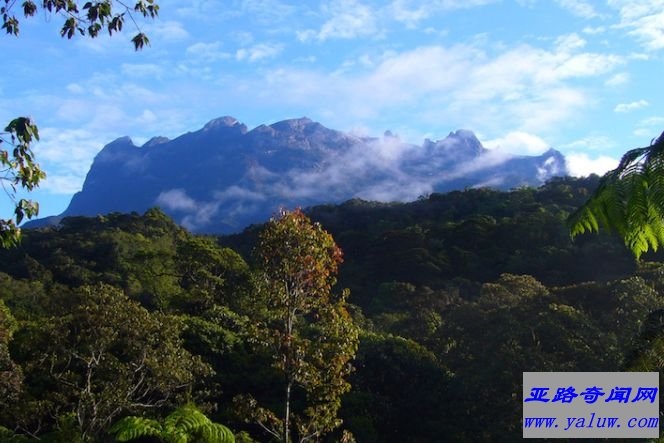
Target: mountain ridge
<point>223,177</point>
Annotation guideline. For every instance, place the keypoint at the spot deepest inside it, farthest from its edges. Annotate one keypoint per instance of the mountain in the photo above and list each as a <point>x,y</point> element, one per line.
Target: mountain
<point>224,177</point>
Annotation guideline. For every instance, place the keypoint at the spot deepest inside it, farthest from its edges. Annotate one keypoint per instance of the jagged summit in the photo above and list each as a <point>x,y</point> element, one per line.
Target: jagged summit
<point>463,134</point>
<point>227,124</point>
<point>221,122</point>
<point>121,141</point>
<point>117,149</point>
<point>296,124</point>
<point>553,152</point>
<point>462,144</point>
<point>154,141</point>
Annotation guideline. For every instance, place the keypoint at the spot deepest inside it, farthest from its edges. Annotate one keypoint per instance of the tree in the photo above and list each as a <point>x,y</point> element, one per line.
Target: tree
<point>10,374</point>
<point>305,326</point>
<point>20,167</point>
<point>185,424</point>
<point>629,200</point>
<point>100,355</point>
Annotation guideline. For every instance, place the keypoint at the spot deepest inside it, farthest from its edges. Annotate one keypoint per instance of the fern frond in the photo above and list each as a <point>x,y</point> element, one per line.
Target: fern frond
<point>629,200</point>
<point>131,428</point>
<point>216,433</point>
<point>186,418</point>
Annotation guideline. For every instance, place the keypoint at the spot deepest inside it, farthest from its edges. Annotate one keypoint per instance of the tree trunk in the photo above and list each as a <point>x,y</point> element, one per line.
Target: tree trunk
<point>287,414</point>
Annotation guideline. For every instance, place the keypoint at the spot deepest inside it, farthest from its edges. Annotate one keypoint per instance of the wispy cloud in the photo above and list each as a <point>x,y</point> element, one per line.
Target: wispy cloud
<point>570,42</point>
<point>519,142</point>
<point>644,20</point>
<point>591,143</point>
<point>618,79</point>
<point>259,52</point>
<point>166,31</point>
<point>176,200</point>
<point>149,70</point>
<point>346,19</point>
<point>650,127</point>
<point>590,30</point>
<point>522,89</point>
<point>632,106</point>
<point>580,8</point>
<point>268,11</point>
<point>208,52</point>
<point>70,153</point>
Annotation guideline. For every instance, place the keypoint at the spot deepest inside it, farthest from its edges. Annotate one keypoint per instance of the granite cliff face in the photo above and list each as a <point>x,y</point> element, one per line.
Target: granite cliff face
<point>224,177</point>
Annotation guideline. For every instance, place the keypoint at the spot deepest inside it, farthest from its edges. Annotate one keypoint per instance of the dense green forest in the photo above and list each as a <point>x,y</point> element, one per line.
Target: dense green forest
<point>451,298</point>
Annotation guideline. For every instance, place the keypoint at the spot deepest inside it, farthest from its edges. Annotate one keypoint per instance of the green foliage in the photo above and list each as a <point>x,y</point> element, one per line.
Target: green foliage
<point>629,200</point>
<point>443,338</point>
<point>185,424</point>
<point>131,428</point>
<point>401,392</point>
<point>18,169</point>
<point>11,376</point>
<point>98,355</point>
<point>87,19</point>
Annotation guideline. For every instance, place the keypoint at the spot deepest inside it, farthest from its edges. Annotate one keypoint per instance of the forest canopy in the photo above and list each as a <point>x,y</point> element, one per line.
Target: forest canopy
<point>427,280</point>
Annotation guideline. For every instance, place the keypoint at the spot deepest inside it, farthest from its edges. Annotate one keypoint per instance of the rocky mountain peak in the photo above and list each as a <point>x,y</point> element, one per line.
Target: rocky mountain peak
<point>295,124</point>
<point>154,141</point>
<point>224,122</point>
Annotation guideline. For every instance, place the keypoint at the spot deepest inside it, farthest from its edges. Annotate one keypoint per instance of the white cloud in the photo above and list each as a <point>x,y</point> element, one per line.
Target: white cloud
<point>236,192</point>
<point>66,156</point>
<point>176,200</point>
<point>579,8</point>
<point>570,42</point>
<point>207,51</point>
<point>347,19</point>
<point>75,88</point>
<point>268,11</point>
<point>412,12</point>
<point>652,121</point>
<point>617,79</point>
<point>628,107</point>
<point>147,117</point>
<point>406,12</point>
<point>590,30</point>
<point>649,127</point>
<point>588,65</point>
<point>199,9</point>
<point>244,38</point>
<point>592,143</point>
<point>259,52</point>
<point>642,132</point>
<point>644,20</point>
<point>166,31</point>
<point>518,142</point>
<point>581,165</point>
<point>523,88</point>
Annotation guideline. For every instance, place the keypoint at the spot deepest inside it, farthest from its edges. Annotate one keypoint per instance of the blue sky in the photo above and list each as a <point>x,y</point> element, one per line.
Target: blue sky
<point>524,75</point>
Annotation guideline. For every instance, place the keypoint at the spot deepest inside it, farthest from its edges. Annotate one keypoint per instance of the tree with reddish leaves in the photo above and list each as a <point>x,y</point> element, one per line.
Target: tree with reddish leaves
<point>305,326</point>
